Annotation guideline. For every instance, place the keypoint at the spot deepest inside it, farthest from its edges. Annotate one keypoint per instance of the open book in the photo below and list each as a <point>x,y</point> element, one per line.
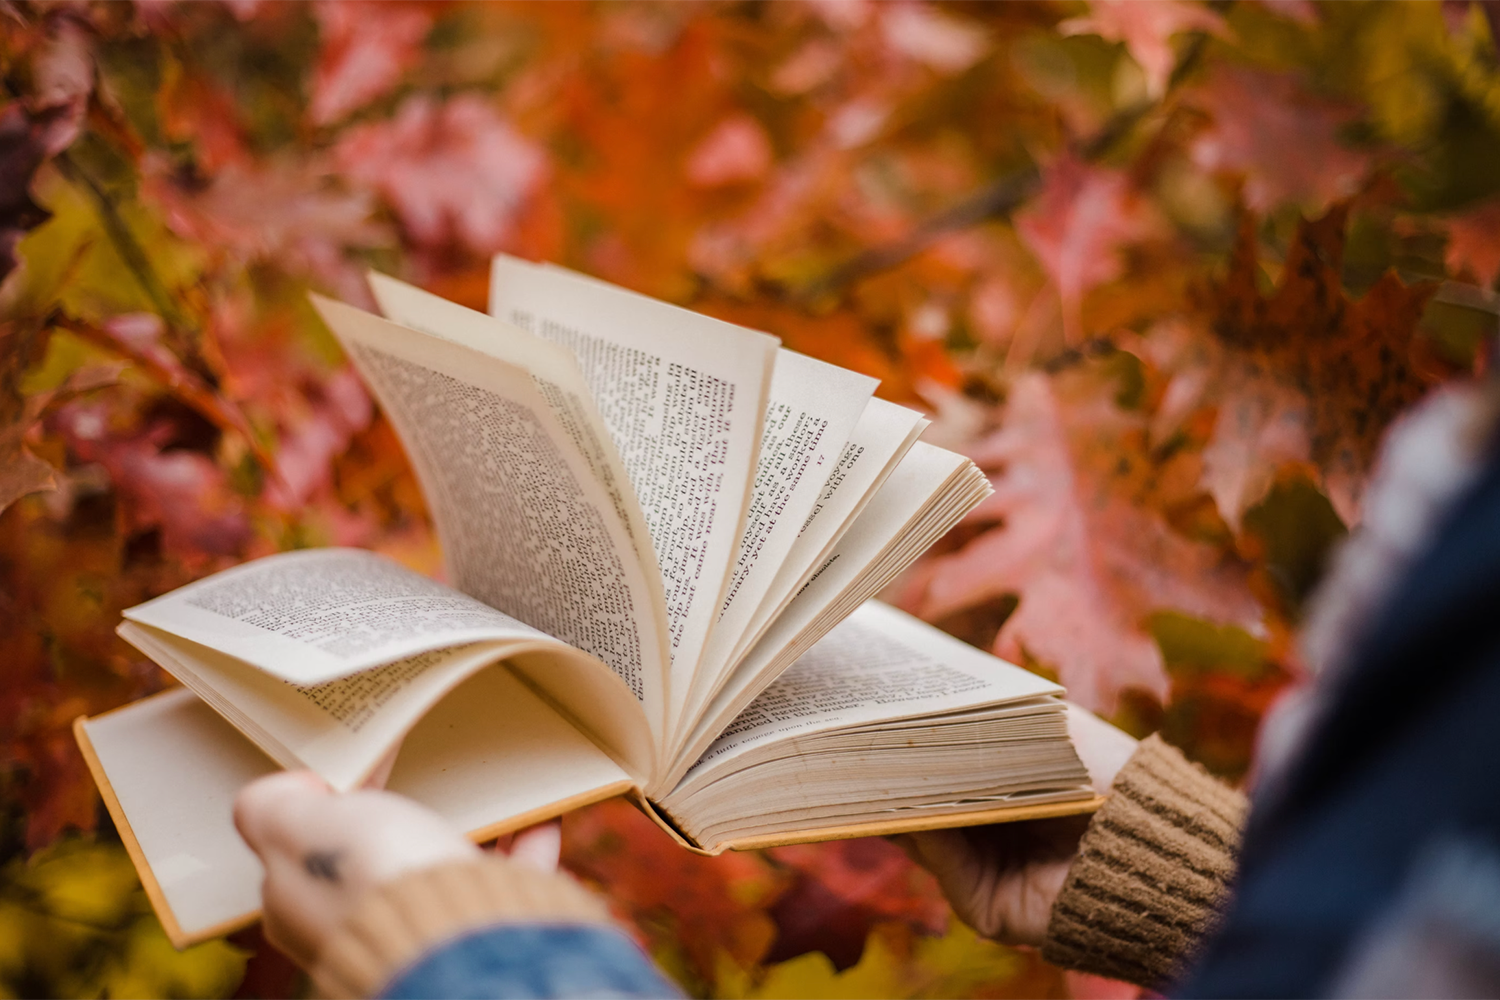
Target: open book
<point>662,533</point>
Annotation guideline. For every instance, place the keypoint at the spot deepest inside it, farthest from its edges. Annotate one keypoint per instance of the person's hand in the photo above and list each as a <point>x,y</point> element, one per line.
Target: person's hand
<point>1002,880</point>
<point>322,851</point>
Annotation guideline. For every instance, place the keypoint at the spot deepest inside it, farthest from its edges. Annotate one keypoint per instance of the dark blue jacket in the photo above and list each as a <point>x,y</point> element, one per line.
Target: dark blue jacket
<point>1406,761</point>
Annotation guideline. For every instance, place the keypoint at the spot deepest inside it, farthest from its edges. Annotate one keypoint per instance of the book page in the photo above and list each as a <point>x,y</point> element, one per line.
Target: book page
<point>490,758</point>
<point>344,728</point>
<point>525,525</point>
<point>813,409</point>
<point>879,665</point>
<point>684,399</point>
<point>555,372</point>
<point>313,615</point>
<point>883,435</point>
<point>929,491</point>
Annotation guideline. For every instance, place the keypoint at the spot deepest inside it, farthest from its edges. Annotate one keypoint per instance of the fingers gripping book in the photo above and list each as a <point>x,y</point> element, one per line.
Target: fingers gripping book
<point>661,536</point>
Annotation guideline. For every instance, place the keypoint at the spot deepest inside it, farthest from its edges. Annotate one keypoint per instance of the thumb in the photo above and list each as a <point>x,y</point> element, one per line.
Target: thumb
<point>262,808</point>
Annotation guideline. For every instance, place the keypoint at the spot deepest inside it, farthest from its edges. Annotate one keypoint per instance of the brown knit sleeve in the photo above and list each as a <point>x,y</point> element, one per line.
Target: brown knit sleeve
<point>396,922</point>
<point>1152,874</point>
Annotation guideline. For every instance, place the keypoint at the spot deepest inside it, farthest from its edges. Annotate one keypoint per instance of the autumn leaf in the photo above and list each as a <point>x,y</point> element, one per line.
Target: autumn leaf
<point>1146,29</point>
<point>1255,117</point>
<point>1304,376</point>
<point>179,492</point>
<point>366,49</point>
<point>292,213</point>
<point>843,889</point>
<point>455,170</point>
<point>736,151</point>
<point>62,80</point>
<point>1077,225</point>
<point>1074,534</point>
<point>1474,243</point>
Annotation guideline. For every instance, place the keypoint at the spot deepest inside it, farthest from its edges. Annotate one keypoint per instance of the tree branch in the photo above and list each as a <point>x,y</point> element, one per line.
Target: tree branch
<point>999,198</point>
<point>137,263</point>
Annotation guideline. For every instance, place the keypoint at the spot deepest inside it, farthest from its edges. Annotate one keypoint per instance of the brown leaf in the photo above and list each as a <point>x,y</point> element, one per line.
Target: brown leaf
<point>1306,375</point>
<point>22,473</point>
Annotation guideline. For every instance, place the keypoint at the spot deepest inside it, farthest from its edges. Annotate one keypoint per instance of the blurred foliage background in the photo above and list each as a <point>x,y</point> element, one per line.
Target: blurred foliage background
<point>1166,269</point>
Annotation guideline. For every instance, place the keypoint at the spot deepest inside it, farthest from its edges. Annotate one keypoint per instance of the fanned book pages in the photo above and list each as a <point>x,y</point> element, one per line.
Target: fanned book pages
<point>661,535</point>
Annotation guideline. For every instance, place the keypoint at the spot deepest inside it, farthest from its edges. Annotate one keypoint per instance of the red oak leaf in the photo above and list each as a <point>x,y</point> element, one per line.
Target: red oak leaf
<point>736,151</point>
<point>1256,118</point>
<point>1080,543</point>
<point>452,171</point>
<point>180,492</point>
<point>1077,226</point>
<point>842,889</point>
<point>711,908</point>
<point>366,49</point>
<point>1474,243</point>
<point>1303,377</point>
<point>283,211</point>
<point>1146,27</point>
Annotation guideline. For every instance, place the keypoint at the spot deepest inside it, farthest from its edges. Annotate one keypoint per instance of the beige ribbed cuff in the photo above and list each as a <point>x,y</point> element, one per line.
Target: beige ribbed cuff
<point>396,922</point>
<point>1153,871</point>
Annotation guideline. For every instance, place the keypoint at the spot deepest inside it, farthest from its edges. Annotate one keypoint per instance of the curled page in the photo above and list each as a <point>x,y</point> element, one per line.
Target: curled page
<point>312,616</point>
<point>684,398</point>
<point>882,436</point>
<point>525,525</point>
<point>555,373</point>
<point>813,409</point>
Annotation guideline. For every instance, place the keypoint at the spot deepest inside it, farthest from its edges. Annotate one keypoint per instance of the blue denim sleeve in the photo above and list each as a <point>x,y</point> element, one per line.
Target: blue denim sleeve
<point>532,960</point>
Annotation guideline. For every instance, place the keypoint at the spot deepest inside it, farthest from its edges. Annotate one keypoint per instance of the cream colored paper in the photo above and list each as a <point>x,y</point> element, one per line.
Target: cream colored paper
<point>526,526</point>
<point>813,409</point>
<point>490,757</point>
<point>882,437</point>
<point>927,493</point>
<point>684,398</point>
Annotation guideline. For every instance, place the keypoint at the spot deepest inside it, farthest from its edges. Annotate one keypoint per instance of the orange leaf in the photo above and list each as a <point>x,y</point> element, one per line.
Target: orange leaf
<point>1080,543</point>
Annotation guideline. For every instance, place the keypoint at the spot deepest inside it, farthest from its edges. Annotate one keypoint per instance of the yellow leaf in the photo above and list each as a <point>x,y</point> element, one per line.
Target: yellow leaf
<point>150,967</point>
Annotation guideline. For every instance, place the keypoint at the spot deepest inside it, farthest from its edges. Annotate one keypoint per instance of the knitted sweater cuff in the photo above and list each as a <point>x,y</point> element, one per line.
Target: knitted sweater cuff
<point>1153,871</point>
<point>396,923</point>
